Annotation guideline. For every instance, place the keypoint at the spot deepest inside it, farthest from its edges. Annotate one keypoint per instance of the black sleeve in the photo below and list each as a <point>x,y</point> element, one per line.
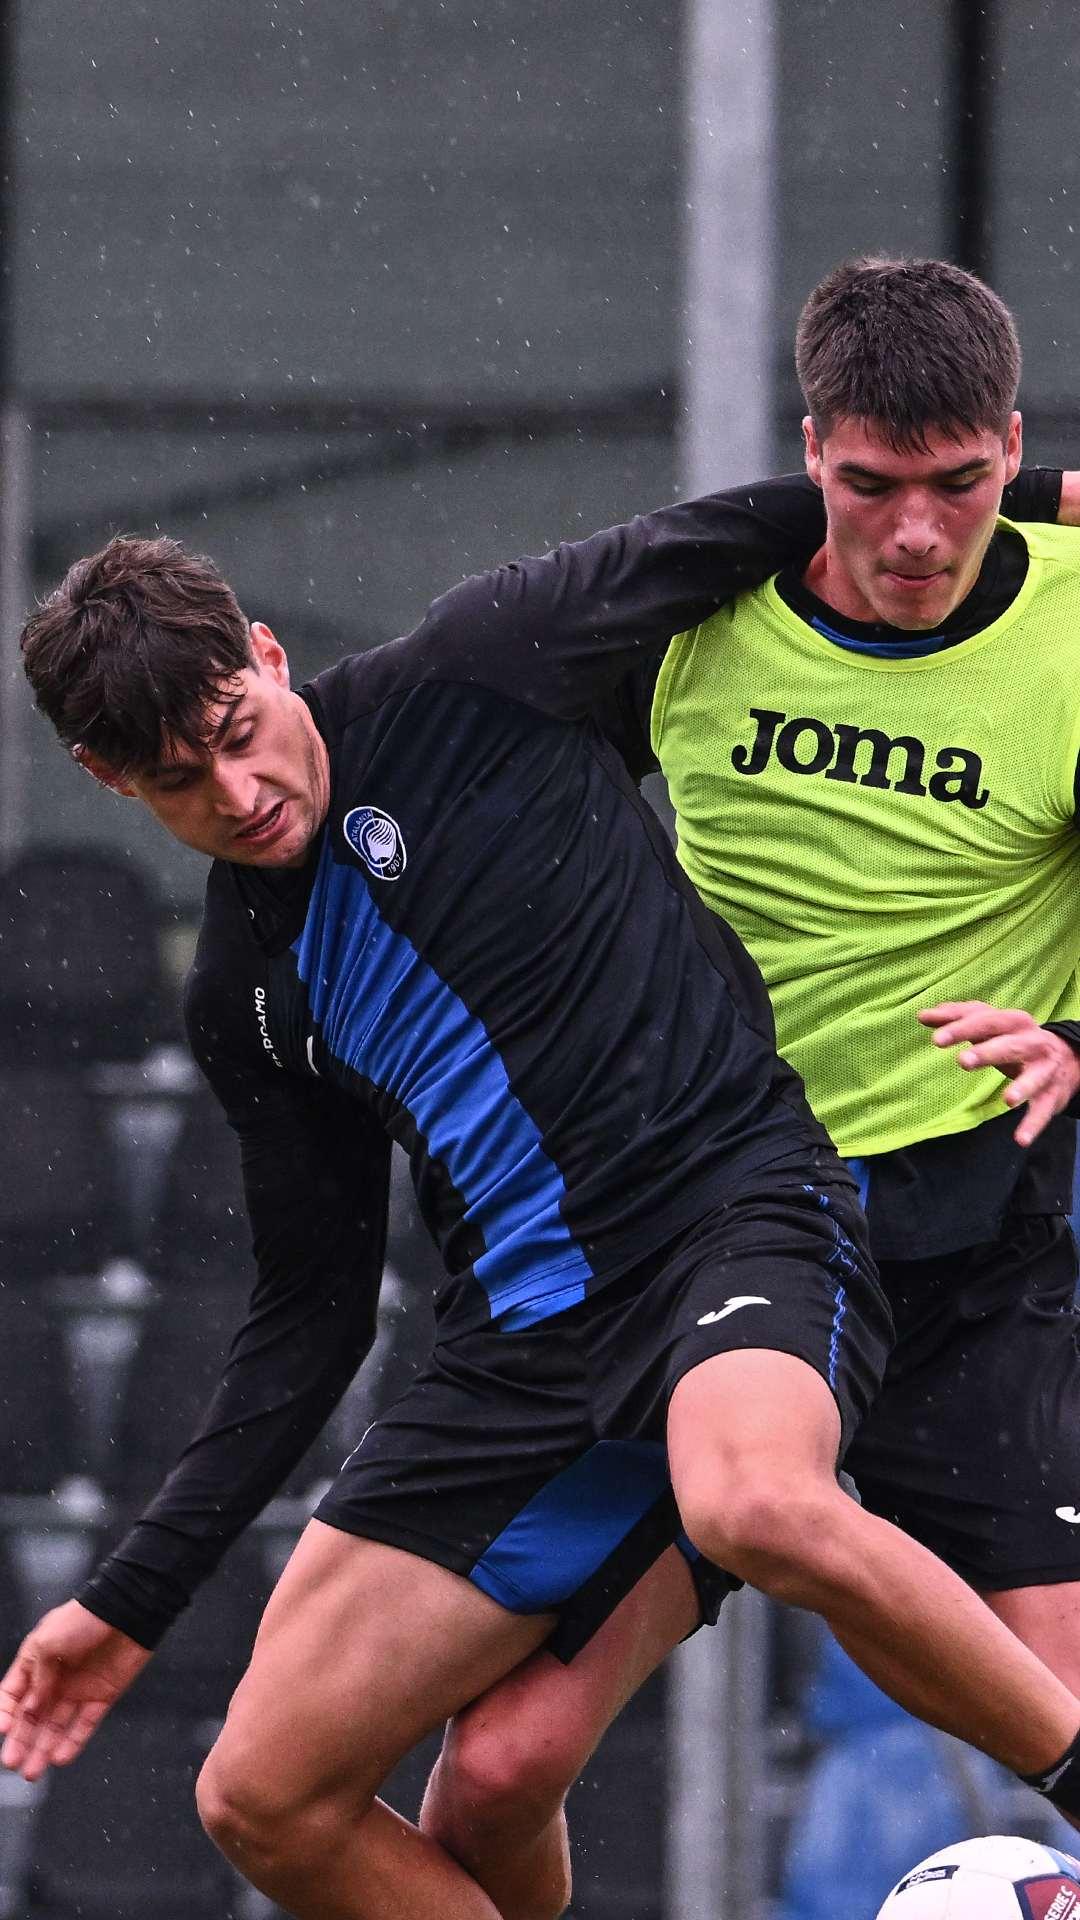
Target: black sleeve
<point>316,1177</point>
<point>624,715</point>
<point>1035,494</point>
<point>560,631</point>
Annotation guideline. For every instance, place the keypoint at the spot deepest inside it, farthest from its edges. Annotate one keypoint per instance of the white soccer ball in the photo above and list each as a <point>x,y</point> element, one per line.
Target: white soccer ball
<point>999,1878</point>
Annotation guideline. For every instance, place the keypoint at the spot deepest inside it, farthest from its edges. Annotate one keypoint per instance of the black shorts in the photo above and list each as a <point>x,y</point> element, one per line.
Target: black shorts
<point>534,1462</point>
<point>974,1445</point>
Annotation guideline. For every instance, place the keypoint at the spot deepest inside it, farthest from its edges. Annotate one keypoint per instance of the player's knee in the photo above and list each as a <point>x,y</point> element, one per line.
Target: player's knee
<point>500,1778</point>
<point>234,1808</point>
<point>256,1821</point>
<point>225,1811</point>
<point>774,1533</point>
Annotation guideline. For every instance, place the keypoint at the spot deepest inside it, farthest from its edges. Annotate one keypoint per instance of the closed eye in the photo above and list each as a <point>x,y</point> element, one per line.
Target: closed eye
<point>174,781</point>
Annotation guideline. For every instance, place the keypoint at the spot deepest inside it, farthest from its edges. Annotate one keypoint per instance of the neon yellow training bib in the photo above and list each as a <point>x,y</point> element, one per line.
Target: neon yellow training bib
<point>887,833</point>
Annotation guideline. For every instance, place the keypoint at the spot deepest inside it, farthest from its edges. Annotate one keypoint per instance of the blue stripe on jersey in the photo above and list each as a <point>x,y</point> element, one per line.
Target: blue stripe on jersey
<point>567,1530</point>
<point>1065,1861</point>
<point>384,1012</point>
<point>915,648</point>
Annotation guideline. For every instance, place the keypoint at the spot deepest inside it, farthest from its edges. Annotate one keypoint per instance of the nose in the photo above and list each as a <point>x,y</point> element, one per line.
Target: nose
<point>916,527</point>
<point>235,788</point>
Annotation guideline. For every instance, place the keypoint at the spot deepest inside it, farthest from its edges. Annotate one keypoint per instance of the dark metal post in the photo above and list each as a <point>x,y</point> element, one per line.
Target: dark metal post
<point>972,26</point>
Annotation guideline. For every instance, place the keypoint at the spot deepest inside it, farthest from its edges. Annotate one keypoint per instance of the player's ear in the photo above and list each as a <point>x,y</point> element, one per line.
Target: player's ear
<point>811,450</point>
<point>105,775</point>
<point>270,655</point>
<point>1014,447</point>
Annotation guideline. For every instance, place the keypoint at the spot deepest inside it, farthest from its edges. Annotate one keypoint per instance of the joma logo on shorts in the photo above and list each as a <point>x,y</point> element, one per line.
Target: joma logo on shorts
<point>862,756</point>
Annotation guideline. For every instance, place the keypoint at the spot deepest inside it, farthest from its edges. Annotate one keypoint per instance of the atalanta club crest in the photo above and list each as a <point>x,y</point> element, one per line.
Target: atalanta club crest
<point>376,837</point>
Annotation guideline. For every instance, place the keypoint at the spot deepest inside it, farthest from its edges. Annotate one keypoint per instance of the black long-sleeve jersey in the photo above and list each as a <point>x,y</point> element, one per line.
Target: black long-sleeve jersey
<point>492,957</point>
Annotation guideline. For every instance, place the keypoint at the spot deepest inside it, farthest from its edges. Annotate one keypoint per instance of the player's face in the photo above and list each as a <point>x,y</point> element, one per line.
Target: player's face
<point>907,532</point>
<point>260,792</point>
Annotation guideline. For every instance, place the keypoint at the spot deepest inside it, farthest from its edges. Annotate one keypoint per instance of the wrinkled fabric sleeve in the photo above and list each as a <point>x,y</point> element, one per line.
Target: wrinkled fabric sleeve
<point>316,1177</point>
<point>561,630</point>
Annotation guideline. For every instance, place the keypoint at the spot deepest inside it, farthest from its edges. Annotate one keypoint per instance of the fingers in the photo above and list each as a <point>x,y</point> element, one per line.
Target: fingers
<point>1011,1054</point>
<point>39,1740</point>
<point>13,1688</point>
<point>1043,1069</point>
<point>24,1691</point>
<point>959,1020</point>
<point>1030,1125</point>
<point>38,1743</point>
<point>27,1707</point>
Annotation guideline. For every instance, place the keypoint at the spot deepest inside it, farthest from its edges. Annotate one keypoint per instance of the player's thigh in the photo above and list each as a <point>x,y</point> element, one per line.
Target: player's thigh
<point>780,1345</point>
<point>755,1412</point>
<point>363,1649</point>
<point>539,1725</point>
<point>1046,1619</point>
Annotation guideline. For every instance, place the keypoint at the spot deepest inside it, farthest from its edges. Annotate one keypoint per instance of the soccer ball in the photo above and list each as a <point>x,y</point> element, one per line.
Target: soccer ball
<point>999,1878</point>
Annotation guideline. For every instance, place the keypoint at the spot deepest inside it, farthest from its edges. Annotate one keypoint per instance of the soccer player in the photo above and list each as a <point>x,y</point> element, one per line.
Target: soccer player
<point>875,764</point>
<point>438,912</point>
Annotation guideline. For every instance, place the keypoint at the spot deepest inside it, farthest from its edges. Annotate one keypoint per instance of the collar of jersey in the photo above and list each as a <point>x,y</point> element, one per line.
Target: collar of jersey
<point>923,651</point>
<point>915,648</point>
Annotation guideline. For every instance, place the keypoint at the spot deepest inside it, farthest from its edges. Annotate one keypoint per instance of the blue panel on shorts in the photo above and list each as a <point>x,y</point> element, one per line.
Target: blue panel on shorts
<point>860,1173</point>
<point>387,1014</point>
<point>569,1528</point>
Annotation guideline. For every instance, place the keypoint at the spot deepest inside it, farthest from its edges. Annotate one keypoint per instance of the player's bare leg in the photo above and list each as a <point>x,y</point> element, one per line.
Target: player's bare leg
<point>495,1799</point>
<point>363,1650</point>
<point>752,1441</point>
<point>1046,1619</point>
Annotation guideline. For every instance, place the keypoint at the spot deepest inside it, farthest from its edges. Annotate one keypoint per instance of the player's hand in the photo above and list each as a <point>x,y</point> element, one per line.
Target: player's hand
<point>59,1687</point>
<point>1044,1070</point>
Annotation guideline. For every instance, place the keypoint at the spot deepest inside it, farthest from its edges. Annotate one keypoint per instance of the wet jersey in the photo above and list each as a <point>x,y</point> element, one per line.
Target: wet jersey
<point>935,857</point>
<point>493,958</point>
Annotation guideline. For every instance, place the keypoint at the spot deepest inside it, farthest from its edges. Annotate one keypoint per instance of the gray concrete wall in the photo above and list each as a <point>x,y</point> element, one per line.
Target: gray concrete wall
<point>439,205</point>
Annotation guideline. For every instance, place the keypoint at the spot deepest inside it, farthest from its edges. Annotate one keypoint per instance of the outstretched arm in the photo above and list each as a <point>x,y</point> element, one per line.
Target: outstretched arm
<point>558,630</point>
<point>310,1324</point>
<point>316,1174</point>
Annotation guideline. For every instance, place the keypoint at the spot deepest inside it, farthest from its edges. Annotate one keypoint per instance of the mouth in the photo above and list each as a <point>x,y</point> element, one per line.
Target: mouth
<point>265,827</point>
<point>914,582</point>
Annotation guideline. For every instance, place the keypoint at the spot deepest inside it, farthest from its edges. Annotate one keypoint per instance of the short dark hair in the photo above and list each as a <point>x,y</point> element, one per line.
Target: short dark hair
<point>909,344</point>
<point>133,650</point>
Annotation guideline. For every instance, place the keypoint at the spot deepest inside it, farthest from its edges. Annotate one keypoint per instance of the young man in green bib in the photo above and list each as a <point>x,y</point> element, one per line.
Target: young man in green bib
<point>874,759</point>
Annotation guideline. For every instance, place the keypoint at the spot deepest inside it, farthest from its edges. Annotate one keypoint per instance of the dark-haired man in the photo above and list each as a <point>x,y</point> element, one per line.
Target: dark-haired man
<point>875,764</point>
<point>438,897</point>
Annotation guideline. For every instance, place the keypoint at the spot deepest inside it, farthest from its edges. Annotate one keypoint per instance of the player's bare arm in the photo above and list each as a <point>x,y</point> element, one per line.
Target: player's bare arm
<point>1043,1070</point>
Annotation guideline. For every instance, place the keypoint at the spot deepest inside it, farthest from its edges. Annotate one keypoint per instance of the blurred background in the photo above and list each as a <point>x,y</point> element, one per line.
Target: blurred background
<point>358,298</point>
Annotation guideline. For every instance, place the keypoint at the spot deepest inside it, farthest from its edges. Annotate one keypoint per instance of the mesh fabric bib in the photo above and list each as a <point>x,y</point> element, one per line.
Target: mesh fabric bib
<point>884,834</point>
